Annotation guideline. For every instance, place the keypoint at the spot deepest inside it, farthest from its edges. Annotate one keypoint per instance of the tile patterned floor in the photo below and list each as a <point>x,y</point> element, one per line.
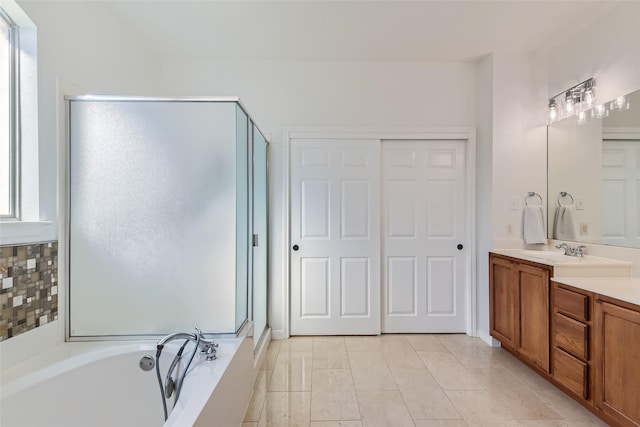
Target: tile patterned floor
<point>403,380</point>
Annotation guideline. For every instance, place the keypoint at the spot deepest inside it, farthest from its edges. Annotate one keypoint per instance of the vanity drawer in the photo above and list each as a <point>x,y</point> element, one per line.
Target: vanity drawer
<point>571,335</point>
<point>571,372</point>
<point>572,303</point>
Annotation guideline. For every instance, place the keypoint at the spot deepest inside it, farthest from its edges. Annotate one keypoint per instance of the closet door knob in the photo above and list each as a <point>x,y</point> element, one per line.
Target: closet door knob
<point>460,246</point>
<point>296,247</point>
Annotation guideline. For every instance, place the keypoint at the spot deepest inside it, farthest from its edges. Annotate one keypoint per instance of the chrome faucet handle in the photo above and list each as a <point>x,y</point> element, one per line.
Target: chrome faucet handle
<point>579,250</point>
<point>208,347</point>
<point>210,351</point>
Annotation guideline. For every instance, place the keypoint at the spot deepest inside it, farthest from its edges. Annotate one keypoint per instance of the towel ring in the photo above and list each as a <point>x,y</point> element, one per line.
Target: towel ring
<point>532,194</point>
<point>564,194</point>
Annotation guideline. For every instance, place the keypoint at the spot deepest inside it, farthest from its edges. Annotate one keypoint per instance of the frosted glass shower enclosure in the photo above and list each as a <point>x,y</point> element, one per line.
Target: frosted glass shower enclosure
<point>163,217</point>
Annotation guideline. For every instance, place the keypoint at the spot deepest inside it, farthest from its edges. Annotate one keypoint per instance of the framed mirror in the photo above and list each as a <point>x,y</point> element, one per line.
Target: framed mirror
<point>593,177</point>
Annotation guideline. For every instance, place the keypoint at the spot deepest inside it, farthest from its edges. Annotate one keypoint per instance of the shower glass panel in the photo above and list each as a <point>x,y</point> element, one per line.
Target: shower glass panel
<point>260,235</point>
<point>159,216</point>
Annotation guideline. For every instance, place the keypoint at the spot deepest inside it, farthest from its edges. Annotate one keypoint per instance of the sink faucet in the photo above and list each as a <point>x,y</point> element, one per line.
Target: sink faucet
<point>569,251</point>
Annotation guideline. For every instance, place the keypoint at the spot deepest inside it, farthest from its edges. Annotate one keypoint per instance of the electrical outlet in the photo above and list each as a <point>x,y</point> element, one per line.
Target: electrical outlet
<point>509,229</point>
<point>584,228</point>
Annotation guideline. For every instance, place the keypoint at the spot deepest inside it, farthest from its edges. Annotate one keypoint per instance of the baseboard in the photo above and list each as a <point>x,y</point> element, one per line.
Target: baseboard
<point>488,339</point>
<point>278,334</point>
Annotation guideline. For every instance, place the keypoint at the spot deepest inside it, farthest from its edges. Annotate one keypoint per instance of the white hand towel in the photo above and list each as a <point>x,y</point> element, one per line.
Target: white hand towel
<point>565,225</point>
<point>534,232</point>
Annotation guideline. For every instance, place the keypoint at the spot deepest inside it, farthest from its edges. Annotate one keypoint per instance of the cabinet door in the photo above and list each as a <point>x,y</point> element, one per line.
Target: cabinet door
<point>532,296</point>
<point>502,300</point>
<point>618,363</point>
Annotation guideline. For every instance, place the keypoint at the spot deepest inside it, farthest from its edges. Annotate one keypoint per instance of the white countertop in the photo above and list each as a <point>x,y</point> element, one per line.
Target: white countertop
<point>603,276</point>
<point>557,258</point>
<point>570,266</point>
<point>622,288</point>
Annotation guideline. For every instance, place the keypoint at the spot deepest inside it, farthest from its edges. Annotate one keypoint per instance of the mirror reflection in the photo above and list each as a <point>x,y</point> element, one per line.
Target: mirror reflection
<point>593,178</point>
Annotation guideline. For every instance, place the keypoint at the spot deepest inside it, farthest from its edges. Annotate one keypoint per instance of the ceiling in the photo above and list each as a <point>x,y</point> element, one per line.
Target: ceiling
<point>351,30</point>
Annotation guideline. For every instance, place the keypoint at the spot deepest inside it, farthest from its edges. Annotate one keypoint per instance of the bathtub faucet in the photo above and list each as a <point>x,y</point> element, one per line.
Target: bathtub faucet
<point>206,346</point>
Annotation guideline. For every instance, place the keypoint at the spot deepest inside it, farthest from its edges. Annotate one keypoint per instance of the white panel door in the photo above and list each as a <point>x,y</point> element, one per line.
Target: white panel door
<point>423,216</point>
<point>621,192</point>
<point>335,237</point>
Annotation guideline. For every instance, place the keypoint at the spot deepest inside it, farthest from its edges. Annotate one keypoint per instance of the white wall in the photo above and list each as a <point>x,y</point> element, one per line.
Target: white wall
<point>519,139</point>
<point>484,208</point>
<point>513,118</point>
<point>282,94</point>
<point>607,51</point>
<point>80,44</point>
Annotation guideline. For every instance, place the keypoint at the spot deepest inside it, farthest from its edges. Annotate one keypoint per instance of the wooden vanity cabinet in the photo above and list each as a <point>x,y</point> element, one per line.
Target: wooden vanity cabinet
<point>585,343</point>
<point>519,307</point>
<point>571,328</point>
<point>617,360</point>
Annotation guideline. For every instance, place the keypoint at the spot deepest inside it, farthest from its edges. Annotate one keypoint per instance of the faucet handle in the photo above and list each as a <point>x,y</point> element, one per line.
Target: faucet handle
<point>210,351</point>
<point>579,249</point>
<point>199,332</point>
<point>566,247</point>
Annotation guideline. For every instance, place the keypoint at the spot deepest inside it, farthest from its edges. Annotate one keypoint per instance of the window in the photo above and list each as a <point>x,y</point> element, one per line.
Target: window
<point>8,117</point>
<point>20,210</point>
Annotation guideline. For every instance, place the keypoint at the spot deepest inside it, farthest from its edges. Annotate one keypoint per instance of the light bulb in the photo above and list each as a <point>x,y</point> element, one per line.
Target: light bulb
<point>589,98</point>
<point>581,117</point>
<point>553,111</point>
<point>599,111</point>
<point>588,94</point>
<point>569,104</point>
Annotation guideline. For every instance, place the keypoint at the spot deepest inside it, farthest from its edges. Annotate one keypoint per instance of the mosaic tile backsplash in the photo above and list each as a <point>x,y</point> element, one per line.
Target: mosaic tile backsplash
<point>29,294</point>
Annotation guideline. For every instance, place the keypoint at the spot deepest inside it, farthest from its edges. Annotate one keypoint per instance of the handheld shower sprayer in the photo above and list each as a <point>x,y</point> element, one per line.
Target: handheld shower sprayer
<point>206,346</point>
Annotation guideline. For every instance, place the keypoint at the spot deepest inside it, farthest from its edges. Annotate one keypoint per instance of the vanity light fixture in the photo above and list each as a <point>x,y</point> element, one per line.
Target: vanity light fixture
<point>576,100</point>
<point>580,100</point>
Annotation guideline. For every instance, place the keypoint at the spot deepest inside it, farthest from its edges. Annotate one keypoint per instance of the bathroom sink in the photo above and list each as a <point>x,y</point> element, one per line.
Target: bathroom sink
<point>569,266</point>
<point>550,255</point>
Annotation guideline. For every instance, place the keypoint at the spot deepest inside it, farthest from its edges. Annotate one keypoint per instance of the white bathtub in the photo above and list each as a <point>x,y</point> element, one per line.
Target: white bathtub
<point>100,384</point>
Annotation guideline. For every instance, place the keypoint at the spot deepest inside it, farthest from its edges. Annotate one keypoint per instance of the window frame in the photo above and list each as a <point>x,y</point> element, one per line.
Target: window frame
<point>14,119</point>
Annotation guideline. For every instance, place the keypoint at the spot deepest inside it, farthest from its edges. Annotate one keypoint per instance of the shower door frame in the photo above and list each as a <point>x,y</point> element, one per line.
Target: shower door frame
<point>64,209</point>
